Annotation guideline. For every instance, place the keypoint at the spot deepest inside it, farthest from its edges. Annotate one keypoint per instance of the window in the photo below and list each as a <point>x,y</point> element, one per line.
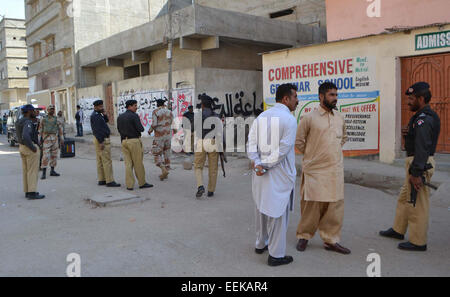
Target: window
<point>34,7</point>
<point>131,72</point>
<point>145,69</point>
<point>36,51</point>
<point>50,45</point>
<point>281,13</point>
<point>2,74</point>
<point>1,45</point>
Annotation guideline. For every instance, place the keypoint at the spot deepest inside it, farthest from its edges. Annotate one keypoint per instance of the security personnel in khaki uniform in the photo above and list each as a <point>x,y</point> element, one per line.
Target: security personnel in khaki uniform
<point>130,129</point>
<point>206,146</point>
<point>162,119</point>
<point>50,129</point>
<point>29,151</point>
<point>420,144</point>
<point>102,143</point>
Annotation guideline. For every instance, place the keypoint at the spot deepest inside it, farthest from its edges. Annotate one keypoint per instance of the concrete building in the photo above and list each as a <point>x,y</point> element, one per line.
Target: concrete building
<point>306,12</point>
<point>372,74</point>
<point>57,29</point>
<point>378,16</point>
<point>215,52</point>
<point>13,64</point>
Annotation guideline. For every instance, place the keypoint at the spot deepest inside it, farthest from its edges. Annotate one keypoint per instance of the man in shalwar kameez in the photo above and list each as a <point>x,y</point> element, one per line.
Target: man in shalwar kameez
<point>320,137</point>
<point>271,150</point>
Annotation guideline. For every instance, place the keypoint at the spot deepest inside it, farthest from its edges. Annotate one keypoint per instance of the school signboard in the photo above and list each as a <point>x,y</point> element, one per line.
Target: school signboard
<point>358,92</point>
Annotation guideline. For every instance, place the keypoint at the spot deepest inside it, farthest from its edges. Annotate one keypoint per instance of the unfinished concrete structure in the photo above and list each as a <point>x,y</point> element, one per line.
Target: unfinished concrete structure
<point>57,29</point>
<point>13,64</point>
<point>216,52</point>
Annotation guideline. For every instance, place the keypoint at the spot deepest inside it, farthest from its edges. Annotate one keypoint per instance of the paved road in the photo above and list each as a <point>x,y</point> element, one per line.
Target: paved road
<point>173,234</point>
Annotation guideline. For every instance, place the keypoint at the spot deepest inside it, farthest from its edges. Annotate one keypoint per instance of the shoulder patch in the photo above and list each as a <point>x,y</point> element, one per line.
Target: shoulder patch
<point>420,122</point>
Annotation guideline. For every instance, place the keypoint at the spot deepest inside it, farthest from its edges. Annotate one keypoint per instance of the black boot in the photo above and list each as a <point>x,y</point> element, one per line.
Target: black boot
<point>53,172</point>
<point>112,185</point>
<point>200,192</point>
<point>44,172</point>
<point>392,234</point>
<point>279,261</point>
<point>34,196</point>
<point>408,246</point>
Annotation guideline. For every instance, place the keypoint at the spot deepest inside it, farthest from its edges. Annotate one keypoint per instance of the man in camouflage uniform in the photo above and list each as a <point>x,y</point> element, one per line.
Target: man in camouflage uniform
<point>162,119</point>
<point>50,129</point>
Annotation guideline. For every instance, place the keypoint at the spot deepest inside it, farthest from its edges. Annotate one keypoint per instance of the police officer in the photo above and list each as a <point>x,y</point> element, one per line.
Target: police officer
<point>29,151</point>
<point>102,145</point>
<point>207,145</point>
<point>420,144</point>
<point>50,130</point>
<point>188,120</point>
<point>130,129</point>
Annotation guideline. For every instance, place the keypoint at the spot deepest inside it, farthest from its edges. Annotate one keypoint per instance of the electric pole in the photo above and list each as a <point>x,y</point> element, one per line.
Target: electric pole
<point>170,51</point>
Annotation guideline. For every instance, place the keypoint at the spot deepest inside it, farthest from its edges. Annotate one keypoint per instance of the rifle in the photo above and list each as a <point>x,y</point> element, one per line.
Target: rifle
<point>413,198</point>
<point>223,159</point>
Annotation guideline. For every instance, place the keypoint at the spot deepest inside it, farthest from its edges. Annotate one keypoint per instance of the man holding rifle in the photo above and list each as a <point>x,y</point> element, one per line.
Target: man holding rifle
<point>420,143</point>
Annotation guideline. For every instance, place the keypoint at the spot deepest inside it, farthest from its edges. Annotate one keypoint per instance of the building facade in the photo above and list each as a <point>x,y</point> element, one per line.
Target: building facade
<point>13,64</point>
<point>57,29</point>
<point>215,52</point>
<point>372,74</point>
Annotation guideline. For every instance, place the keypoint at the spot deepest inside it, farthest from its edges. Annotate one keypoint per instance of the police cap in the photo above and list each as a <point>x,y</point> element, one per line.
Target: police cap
<point>417,88</point>
<point>27,107</point>
<point>98,102</point>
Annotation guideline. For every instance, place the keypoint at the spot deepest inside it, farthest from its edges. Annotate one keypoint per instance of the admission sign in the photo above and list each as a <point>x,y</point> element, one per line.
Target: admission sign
<point>432,40</point>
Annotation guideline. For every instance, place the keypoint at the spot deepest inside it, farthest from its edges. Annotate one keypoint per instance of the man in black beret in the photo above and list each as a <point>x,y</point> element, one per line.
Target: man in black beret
<point>29,151</point>
<point>420,144</point>
<point>207,146</point>
<point>102,142</point>
<point>130,129</point>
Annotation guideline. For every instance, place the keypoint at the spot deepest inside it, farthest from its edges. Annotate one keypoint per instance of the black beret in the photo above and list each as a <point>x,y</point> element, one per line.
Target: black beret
<point>130,102</point>
<point>98,102</point>
<point>417,88</point>
<point>205,99</point>
<point>27,107</point>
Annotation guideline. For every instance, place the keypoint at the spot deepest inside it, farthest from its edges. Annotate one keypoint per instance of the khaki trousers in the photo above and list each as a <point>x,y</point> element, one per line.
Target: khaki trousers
<point>30,168</point>
<point>134,159</point>
<point>416,218</point>
<point>206,148</point>
<point>325,216</point>
<point>104,162</point>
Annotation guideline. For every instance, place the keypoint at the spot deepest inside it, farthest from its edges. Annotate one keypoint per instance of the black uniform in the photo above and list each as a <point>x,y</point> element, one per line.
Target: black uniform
<point>129,125</point>
<point>190,116</point>
<point>27,133</point>
<point>422,138</point>
<point>99,127</point>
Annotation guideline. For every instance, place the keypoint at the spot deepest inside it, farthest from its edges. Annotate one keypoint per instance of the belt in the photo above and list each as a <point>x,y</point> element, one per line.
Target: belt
<point>126,138</point>
<point>412,155</point>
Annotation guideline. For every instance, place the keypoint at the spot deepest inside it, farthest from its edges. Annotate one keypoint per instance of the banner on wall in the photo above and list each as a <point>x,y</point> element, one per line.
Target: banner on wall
<point>87,106</point>
<point>181,99</point>
<point>358,93</point>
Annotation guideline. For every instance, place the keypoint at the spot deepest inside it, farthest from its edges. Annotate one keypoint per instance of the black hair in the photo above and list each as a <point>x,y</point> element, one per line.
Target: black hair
<point>159,103</point>
<point>130,102</point>
<point>78,106</point>
<point>284,90</point>
<point>323,88</point>
<point>425,93</point>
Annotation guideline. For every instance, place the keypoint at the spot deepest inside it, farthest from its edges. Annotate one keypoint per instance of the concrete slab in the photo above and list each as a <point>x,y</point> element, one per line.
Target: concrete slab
<point>115,198</point>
